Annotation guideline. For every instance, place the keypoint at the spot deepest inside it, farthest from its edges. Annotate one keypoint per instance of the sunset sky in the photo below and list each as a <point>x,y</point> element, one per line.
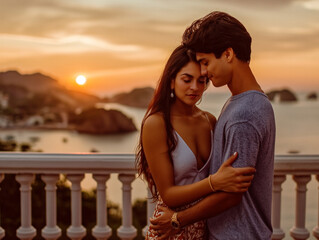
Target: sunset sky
<point>122,44</point>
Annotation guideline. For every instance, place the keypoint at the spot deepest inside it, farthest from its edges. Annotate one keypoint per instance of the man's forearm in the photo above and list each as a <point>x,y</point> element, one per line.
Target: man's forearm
<point>210,206</point>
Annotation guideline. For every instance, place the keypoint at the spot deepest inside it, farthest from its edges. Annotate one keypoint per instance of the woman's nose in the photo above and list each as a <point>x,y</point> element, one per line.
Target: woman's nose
<point>194,85</point>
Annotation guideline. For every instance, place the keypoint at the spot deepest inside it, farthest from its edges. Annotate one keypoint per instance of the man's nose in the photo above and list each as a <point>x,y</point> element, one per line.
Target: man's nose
<point>203,71</point>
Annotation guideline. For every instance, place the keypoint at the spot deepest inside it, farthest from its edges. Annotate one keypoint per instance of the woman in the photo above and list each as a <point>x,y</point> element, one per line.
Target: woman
<point>176,144</point>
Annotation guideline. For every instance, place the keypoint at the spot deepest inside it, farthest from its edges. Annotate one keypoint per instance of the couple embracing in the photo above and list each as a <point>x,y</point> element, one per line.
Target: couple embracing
<point>211,179</point>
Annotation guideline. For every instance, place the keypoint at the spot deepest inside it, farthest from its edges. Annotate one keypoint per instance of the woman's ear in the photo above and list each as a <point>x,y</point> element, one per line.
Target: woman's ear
<point>172,84</point>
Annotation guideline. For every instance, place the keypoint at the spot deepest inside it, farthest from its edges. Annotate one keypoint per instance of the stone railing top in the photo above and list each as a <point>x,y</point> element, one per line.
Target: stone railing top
<point>13,162</point>
<point>103,163</point>
<point>297,164</point>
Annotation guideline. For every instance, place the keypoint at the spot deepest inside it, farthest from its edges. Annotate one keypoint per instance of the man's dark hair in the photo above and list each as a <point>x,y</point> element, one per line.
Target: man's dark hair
<point>215,33</point>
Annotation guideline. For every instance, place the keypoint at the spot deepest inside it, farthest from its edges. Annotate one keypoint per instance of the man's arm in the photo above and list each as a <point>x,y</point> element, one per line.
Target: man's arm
<point>210,206</point>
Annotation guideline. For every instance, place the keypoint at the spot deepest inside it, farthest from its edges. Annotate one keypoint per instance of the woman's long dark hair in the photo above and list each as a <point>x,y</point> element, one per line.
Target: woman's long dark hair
<point>161,103</point>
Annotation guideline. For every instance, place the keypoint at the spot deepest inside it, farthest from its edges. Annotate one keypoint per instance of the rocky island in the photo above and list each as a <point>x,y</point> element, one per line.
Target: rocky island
<point>101,121</point>
<point>284,95</point>
<point>312,96</point>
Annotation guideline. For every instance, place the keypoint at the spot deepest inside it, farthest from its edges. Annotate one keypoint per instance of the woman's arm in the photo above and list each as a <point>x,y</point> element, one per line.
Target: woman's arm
<point>154,140</point>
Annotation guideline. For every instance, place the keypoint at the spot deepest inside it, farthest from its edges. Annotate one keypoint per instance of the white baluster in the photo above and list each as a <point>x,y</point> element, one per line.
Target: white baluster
<point>2,232</point>
<point>299,231</point>
<point>127,231</point>
<point>315,231</point>
<point>150,210</point>
<point>278,233</point>
<point>101,231</point>
<point>26,231</point>
<point>51,230</point>
<point>76,231</point>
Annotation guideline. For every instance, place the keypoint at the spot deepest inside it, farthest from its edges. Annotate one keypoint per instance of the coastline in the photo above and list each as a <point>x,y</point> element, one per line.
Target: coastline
<point>46,127</point>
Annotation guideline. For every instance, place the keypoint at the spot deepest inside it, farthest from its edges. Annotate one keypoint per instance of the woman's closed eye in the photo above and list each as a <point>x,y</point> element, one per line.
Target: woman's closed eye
<point>187,80</point>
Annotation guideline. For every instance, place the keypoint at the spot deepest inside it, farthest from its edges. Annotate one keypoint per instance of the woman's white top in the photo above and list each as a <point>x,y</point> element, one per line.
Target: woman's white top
<point>185,163</point>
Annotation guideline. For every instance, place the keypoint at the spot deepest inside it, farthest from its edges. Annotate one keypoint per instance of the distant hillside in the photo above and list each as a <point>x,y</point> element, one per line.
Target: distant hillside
<point>35,82</point>
<point>23,88</point>
<point>138,97</point>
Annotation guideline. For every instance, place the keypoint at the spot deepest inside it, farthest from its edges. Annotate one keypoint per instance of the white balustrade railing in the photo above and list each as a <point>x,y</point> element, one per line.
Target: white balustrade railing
<point>26,230</point>
<point>1,229</point>
<point>301,167</point>
<point>101,230</point>
<point>49,166</point>
<point>51,230</point>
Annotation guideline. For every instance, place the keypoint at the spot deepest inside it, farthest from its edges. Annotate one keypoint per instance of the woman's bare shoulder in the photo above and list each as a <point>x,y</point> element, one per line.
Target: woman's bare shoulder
<point>154,134</point>
<point>154,121</point>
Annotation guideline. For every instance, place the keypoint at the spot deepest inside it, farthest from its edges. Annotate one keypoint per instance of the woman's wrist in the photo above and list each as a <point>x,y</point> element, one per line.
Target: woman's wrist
<point>211,183</point>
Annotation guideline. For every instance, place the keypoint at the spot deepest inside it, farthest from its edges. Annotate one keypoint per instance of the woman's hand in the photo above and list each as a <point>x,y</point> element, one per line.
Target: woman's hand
<point>229,179</point>
<point>162,224</point>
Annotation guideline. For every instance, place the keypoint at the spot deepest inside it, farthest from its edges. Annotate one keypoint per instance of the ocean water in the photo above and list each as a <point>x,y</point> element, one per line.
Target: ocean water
<point>297,130</point>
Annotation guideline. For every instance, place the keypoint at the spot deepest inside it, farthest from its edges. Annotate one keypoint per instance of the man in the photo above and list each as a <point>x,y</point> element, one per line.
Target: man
<point>246,125</point>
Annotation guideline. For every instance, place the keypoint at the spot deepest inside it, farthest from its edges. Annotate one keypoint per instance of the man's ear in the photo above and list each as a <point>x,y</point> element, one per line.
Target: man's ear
<point>229,54</point>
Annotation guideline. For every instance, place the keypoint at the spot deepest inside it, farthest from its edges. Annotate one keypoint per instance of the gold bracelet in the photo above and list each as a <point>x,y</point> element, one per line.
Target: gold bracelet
<point>210,184</point>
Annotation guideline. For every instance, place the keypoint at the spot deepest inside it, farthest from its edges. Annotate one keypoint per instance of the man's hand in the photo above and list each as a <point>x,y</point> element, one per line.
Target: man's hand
<point>162,224</point>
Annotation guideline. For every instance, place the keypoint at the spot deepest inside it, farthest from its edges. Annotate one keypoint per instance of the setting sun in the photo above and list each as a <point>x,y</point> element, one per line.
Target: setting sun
<point>81,80</point>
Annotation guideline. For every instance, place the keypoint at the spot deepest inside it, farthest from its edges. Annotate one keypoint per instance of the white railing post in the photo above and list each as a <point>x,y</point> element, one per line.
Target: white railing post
<point>315,231</point>
<point>51,230</point>
<point>299,232</point>
<point>101,231</point>
<point>26,231</point>
<point>76,231</point>
<point>150,210</point>
<point>127,231</point>
<point>278,233</point>
<point>2,232</point>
